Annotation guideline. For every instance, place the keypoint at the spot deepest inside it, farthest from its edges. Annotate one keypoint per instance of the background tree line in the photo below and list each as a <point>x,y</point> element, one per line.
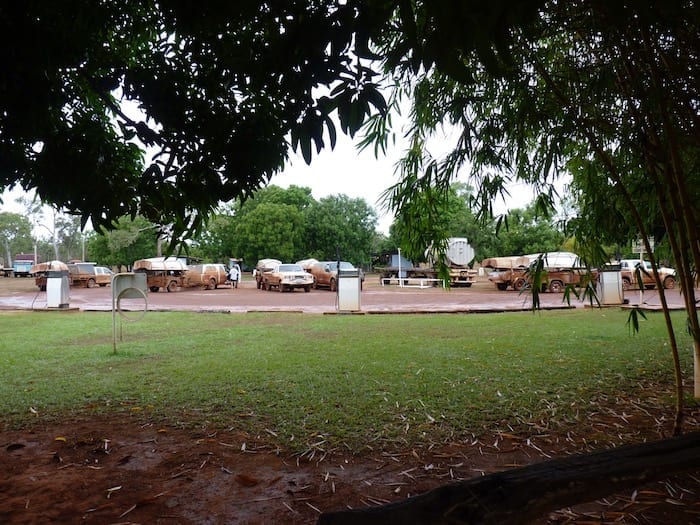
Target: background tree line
<point>286,224</point>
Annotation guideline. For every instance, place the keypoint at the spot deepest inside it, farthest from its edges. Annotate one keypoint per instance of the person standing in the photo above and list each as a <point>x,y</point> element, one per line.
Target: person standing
<point>234,275</point>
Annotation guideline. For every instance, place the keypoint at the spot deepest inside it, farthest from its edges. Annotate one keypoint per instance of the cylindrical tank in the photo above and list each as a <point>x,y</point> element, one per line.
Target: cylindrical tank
<point>459,251</point>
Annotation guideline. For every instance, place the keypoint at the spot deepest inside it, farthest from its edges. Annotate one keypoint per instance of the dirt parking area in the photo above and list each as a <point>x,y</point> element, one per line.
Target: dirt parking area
<point>20,293</point>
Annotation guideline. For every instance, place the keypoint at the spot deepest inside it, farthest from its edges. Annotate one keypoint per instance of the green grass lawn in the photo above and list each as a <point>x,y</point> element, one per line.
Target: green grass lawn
<point>347,380</point>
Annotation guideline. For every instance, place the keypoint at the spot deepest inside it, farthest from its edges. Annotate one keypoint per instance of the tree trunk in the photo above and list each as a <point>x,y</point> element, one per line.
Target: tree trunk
<point>520,495</point>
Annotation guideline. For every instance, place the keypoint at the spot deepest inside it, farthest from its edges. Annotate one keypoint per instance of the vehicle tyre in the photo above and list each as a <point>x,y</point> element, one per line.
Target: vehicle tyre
<point>502,286</point>
<point>307,289</point>
<point>556,286</point>
<point>670,282</point>
<point>519,284</point>
<point>212,284</point>
<point>172,286</point>
<point>91,283</point>
<point>315,285</point>
<point>626,283</point>
<point>154,289</point>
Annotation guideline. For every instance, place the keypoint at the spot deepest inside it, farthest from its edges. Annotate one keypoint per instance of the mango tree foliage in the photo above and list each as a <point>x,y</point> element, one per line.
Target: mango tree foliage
<point>237,230</point>
<point>129,241</point>
<point>270,230</point>
<point>339,226</point>
<point>218,95</point>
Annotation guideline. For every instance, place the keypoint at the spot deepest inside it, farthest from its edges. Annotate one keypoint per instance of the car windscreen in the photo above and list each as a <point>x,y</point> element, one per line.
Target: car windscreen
<point>290,268</point>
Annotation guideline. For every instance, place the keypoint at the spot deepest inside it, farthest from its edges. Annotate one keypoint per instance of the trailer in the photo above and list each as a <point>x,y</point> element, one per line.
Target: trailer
<point>507,272</point>
<point>560,269</point>
<point>168,273</point>
<point>41,271</point>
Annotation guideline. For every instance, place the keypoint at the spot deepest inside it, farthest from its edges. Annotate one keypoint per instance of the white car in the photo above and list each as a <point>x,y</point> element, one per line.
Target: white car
<point>287,277</point>
<point>103,275</point>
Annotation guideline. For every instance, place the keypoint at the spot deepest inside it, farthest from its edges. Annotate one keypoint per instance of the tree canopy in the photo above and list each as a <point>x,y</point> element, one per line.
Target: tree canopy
<point>221,93</point>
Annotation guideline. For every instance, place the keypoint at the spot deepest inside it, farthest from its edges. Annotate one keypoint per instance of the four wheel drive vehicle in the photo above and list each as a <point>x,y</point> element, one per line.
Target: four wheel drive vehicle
<point>264,265</point>
<point>287,277</point>
<point>325,273</point>
<point>103,275</point>
<point>210,276</point>
<point>83,274</point>
<point>162,272</point>
<point>630,279</point>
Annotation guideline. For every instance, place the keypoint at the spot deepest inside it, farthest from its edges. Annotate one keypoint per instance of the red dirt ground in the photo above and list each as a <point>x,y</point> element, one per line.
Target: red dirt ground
<point>125,469</point>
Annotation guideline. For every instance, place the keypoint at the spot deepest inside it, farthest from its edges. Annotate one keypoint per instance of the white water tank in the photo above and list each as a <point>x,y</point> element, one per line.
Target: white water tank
<point>459,251</point>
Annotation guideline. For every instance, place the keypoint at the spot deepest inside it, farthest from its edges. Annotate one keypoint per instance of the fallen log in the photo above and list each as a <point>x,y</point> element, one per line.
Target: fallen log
<point>520,495</point>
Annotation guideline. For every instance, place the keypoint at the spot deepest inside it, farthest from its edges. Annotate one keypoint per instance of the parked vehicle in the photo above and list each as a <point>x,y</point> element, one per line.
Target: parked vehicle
<point>325,273</point>
<point>167,273</point>
<point>560,269</point>
<point>41,271</point>
<point>507,272</point>
<point>287,277</point>
<point>208,275</point>
<point>6,271</point>
<point>263,265</point>
<point>630,276</point>
<point>103,275</point>
<point>22,265</point>
<point>458,256</point>
<point>83,274</point>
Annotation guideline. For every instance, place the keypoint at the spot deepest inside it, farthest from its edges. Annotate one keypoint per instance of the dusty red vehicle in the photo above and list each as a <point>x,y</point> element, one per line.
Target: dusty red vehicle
<point>325,273</point>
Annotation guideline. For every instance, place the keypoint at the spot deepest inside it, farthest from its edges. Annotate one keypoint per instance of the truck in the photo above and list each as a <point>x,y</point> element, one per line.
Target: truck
<point>458,257</point>
<point>41,271</point>
<point>262,266</point>
<point>22,265</point>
